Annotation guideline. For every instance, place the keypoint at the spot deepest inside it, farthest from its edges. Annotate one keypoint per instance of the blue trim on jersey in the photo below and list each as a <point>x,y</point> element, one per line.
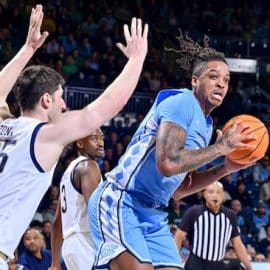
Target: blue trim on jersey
<point>79,190</point>
<point>99,217</point>
<point>167,93</point>
<point>32,150</point>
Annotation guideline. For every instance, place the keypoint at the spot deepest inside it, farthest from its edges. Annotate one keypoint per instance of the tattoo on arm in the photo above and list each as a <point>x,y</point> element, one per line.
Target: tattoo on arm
<point>194,159</point>
<point>171,138</point>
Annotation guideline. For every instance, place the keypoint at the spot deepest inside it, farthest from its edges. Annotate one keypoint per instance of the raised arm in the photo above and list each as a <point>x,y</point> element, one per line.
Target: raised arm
<point>11,71</point>
<point>74,125</point>
<point>115,96</point>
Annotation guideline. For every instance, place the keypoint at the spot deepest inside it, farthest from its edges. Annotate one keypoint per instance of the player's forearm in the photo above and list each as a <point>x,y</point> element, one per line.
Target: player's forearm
<point>56,239</point>
<point>196,181</point>
<point>56,244</point>
<point>101,110</point>
<point>12,70</point>
<point>178,161</point>
<point>242,255</point>
<point>179,236</point>
<point>117,93</point>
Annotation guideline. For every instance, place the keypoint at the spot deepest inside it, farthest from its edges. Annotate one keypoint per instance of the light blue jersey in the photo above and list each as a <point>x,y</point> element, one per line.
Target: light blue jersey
<point>137,170</point>
<point>126,212</point>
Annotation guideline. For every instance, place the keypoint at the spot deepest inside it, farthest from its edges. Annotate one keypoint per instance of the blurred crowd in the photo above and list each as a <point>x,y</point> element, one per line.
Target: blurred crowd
<point>83,34</point>
<point>81,47</point>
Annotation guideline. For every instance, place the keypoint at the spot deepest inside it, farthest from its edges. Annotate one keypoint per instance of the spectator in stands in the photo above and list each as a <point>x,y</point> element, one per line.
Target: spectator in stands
<point>242,194</point>
<point>259,257</point>
<point>227,183</point>
<point>105,167</point>
<point>69,43</point>
<point>48,214</point>
<point>35,256</point>
<point>89,26</point>
<point>261,219</point>
<point>108,19</point>
<point>175,211</point>
<point>53,46</point>
<point>265,190</point>
<point>261,171</point>
<point>264,244</point>
<point>69,67</point>
<point>244,221</point>
<point>135,125</point>
<point>51,194</point>
<point>118,151</point>
<point>85,48</point>
<point>46,231</point>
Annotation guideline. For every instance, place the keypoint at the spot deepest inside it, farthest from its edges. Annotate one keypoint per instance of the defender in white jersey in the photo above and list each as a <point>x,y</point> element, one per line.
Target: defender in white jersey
<point>43,131</point>
<point>71,228</point>
<point>10,195</point>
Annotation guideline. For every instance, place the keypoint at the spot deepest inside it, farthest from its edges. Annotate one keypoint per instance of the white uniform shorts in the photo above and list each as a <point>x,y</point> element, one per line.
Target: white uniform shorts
<point>77,251</point>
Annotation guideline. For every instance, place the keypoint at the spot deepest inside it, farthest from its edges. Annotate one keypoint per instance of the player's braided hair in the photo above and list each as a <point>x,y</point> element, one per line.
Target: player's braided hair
<point>194,57</point>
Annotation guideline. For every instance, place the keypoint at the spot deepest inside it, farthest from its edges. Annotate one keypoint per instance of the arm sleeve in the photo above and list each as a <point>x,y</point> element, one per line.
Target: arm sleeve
<point>177,109</point>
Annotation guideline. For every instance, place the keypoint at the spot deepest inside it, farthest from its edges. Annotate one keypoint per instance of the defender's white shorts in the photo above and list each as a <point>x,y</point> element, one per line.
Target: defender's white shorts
<point>77,251</point>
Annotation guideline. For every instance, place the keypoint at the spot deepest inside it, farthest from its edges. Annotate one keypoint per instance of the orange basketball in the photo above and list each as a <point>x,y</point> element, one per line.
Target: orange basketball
<point>246,156</point>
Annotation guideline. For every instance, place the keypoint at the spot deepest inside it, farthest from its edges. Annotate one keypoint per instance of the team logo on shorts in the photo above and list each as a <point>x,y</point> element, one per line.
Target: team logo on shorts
<point>109,249</point>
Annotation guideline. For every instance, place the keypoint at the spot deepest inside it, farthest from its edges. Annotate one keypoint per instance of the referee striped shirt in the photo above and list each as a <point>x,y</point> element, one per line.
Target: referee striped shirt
<point>209,233</point>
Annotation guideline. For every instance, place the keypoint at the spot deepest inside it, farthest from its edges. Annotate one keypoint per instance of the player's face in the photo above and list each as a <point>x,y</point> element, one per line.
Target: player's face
<point>93,145</point>
<point>214,196</point>
<point>58,103</point>
<point>32,241</point>
<point>212,85</point>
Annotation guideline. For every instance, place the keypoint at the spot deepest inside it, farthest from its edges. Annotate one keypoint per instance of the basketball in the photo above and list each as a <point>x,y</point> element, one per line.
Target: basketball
<point>246,156</point>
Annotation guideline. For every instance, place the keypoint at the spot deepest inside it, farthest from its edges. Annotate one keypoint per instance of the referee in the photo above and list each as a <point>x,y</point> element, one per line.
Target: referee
<point>209,228</point>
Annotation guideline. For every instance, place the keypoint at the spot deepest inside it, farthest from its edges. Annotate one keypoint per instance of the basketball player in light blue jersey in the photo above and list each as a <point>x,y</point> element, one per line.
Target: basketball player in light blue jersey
<point>126,213</point>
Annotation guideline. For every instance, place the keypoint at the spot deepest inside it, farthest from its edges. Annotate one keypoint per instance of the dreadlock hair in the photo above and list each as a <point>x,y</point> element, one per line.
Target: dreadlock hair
<point>193,57</point>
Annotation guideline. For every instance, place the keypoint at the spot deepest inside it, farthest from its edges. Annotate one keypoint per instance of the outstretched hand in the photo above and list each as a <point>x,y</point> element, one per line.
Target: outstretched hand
<point>136,40</point>
<point>35,38</point>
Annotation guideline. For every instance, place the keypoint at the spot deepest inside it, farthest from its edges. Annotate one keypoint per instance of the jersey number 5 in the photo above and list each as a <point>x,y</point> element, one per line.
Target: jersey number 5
<point>3,155</point>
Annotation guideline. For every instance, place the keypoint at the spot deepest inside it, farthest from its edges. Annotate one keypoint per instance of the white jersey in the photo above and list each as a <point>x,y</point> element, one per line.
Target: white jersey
<point>23,182</point>
<point>73,205</point>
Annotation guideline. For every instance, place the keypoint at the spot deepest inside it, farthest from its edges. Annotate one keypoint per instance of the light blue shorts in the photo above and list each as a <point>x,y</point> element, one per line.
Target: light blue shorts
<point>119,222</point>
